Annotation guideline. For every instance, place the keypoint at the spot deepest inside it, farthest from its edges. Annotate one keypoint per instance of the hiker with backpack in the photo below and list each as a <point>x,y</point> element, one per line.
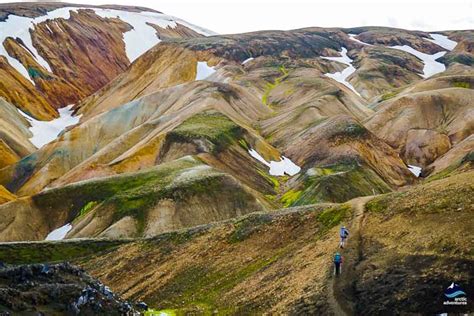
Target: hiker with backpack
<point>337,263</point>
<point>343,233</point>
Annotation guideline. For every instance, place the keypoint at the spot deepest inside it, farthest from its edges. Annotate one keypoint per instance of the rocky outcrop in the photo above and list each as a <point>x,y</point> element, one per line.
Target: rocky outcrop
<point>79,50</point>
<point>57,91</point>
<point>57,289</point>
<point>178,32</point>
<point>463,53</point>
<point>36,9</point>
<point>17,90</point>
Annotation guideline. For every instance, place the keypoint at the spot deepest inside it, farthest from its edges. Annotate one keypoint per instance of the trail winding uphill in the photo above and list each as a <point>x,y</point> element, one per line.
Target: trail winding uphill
<point>340,298</point>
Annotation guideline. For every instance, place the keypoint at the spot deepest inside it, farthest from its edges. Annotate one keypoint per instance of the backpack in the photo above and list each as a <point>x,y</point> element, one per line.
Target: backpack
<point>337,258</point>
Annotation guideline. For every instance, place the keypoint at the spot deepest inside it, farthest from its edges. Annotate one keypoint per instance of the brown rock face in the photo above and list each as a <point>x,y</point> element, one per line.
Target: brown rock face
<point>423,146</point>
<point>448,111</point>
<point>395,37</point>
<point>57,91</point>
<point>180,31</point>
<point>17,90</point>
<point>163,66</point>
<point>381,69</point>
<point>86,50</point>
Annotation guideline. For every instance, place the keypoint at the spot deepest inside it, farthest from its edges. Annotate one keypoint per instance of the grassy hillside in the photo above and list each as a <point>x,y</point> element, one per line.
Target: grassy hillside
<point>403,251</point>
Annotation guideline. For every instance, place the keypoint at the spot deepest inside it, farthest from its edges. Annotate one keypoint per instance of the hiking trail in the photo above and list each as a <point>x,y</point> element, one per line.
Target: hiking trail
<point>340,288</point>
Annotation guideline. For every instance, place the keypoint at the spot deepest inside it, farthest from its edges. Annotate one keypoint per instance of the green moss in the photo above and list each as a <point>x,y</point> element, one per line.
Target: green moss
<point>469,157</point>
<point>290,197</point>
<point>465,59</point>
<point>389,95</point>
<point>133,194</point>
<point>246,226</point>
<point>87,208</point>
<point>214,127</point>
<point>25,253</point>
<point>462,84</point>
<point>162,312</point>
<point>450,194</point>
<point>333,216</point>
<point>338,183</point>
<point>200,288</point>
<point>274,181</point>
<point>270,86</point>
<point>244,144</point>
<point>452,169</point>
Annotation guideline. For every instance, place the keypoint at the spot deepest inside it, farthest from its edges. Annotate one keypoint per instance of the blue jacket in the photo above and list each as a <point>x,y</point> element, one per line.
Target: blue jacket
<point>344,232</point>
<point>338,258</point>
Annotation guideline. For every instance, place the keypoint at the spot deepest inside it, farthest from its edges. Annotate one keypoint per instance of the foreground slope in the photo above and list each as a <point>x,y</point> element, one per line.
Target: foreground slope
<point>281,261</point>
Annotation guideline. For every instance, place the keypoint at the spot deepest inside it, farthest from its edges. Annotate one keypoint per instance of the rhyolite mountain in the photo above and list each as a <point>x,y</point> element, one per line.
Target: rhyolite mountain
<point>55,54</point>
<point>194,146</point>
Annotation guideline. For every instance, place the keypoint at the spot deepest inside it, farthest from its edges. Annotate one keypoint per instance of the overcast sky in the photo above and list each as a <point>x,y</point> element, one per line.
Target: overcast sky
<point>251,15</point>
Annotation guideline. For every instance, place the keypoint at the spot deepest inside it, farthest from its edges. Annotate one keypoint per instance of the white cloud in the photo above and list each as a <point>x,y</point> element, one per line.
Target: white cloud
<point>235,16</point>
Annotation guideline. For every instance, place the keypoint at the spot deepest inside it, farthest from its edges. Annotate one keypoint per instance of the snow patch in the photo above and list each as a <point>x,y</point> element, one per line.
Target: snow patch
<point>431,66</point>
<point>442,40</point>
<point>46,131</point>
<point>247,60</point>
<point>59,233</point>
<point>143,36</point>
<point>343,75</point>
<point>137,41</point>
<point>203,70</point>
<point>277,168</point>
<point>415,170</point>
<point>353,37</point>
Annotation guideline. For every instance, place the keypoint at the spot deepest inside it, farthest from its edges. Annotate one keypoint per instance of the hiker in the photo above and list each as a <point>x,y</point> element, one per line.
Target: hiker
<point>344,233</point>
<point>337,263</point>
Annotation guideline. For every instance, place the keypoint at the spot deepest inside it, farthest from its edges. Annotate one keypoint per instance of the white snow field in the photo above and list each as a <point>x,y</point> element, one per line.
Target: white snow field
<point>431,66</point>
<point>59,233</point>
<point>277,168</point>
<point>143,37</point>
<point>343,75</point>
<point>203,70</point>
<point>353,37</point>
<point>443,41</point>
<point>415,170</point>
<point>247,60</point>
<point>137,41</point>
<point>47,131</point>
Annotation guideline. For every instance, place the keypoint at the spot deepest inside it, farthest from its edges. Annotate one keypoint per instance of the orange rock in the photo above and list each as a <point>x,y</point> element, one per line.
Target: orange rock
<point>86,50</point>
<point>17,90</point>
<point>56,90</point>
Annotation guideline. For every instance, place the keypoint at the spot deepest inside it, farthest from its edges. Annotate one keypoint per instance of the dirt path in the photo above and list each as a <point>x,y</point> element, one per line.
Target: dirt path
<point>340,288</point>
